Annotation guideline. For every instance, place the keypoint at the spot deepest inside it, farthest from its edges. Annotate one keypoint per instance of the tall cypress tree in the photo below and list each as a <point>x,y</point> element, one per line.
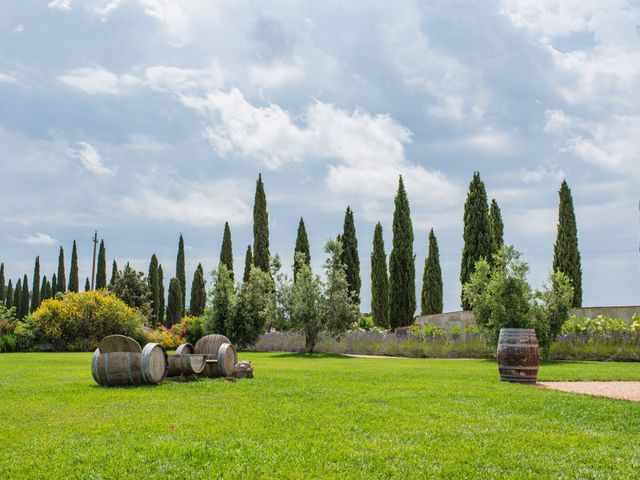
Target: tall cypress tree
<point>180,273</point>
<point>3,288</point>
<point>44,292</point>
<point>432,279</point>
<point>477,234</point>
<point>154,286</point>
<point>54,285</point>
<point>74,281</point>
<point>87,285</point>
<point>379,281</point>
<point>160,295</point>
<point>101,271</point>
<point>17,299</point>
<point>496,226</point>
<point>9,302</point>
<point>61,284</point>
<point>174,305</point>
<point>114,273</point>
<point>24,298</point>
<point>49,290</point>
<point>248,263</point>
<point>226,251</point>
<point>35,296</point>
<point>302,246</point>
<point>566,256</point>
<point>198,293</point>
<point>261,256</point>
<point>350,257</point>
<point>402,269</point>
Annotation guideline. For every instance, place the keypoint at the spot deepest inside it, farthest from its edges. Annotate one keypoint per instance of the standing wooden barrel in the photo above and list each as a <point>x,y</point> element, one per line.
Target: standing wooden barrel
<point>184,362</point>
<point>130,368</point>
<point>518,355</point>
<point>209,344</point>
<point>221,365</point>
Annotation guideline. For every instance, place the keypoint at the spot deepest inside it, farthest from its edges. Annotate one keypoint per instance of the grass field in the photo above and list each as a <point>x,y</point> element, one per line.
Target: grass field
<point>314,417</point>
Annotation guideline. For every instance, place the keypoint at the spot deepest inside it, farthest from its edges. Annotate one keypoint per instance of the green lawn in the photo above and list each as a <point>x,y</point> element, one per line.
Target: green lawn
<point>314,417</point>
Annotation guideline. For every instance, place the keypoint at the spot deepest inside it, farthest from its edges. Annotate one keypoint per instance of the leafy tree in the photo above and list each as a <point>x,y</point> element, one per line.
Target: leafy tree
<point>248,263</point>
<point>222,300</point>
<point>402,270</point>
<point>198,293</point>
<point>306,308</point>
<point>35,296</point>
<point>432,279</point>
<point>282,315</point>
<point>181,274</point>
<point>477,233</point>
<point>114,273</point>
<point>226,251</point>
<point>261,255</point>
<point>24,298</point>
<point>566,256</point>
<point>54,286</point>
<point>154,288</point>
<point>551,307</point>
<point>61,283</point>
<point>44,293</point>
<point>101,271</point>
<point>496,227</point>
<point>74,281</point>
<point>302,246</point>
<point>350,258</point>
<point>9,302</point>
<point>133,289</point>
<point>87,285</point>
<point>160,295</point>
<point>174,305</point>
<point>3,288</point>
<point>255,308</point>
<point>17,299</point>
<point>379,281</point>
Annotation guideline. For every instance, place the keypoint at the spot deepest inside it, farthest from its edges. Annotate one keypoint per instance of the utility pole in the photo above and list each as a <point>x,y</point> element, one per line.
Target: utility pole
<point>93,266</point>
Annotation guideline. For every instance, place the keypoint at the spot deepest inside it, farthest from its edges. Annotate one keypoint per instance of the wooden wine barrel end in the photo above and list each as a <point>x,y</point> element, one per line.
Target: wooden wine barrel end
<point>119,343</point>
<point>154,363</point>
<point>518,355</point>
<point>193,364</point>
<point>94,367</point>
<point>209,344</point>
<point>185,349</point>
<point>227,359</point>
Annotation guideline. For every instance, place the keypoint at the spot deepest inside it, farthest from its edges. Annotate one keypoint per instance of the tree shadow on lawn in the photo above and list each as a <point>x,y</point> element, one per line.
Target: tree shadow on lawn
<point>310,356</point>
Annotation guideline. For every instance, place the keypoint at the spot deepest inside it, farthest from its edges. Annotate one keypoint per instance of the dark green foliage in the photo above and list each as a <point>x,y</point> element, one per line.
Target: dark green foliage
<point>379,281</point>
<point>181,274</point>
<point>496,227</point>
<point>101,270</point>
<point>154,287</point>
<point>74,281</point>
<point>133,289</point>
<point>44,293</point>
<point>477,232</point>
<point>114,273</point>
<point>61,283</point>
<point>402,269</point>
<point>248,263</point>
<point>17,299</point>
<point>566,256</point>
<point>174,305</point>
<point>24,298</point>
<point>87,285</point>
<point>432,279</point>
<point>198,293</point>
<point>261,255</point>
<point>350,257</point>
<point>302,246</point>
<point>306,306</point>
<point>160,295</point>
<point>255,308</point>
<point>3,288</point>
<point>35,297</point>
<point>9,294</point>
<point>226,251</point>
<point>54,286</point>
<point>223,300</point>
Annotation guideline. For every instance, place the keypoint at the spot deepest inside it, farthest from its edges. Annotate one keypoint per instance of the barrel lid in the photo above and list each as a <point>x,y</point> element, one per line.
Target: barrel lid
<point>185,349</point>
<point>154,362</point>
<point>119,343</point>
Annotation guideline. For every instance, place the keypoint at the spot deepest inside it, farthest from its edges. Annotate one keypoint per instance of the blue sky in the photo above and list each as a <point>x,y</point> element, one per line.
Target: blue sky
<point>146,118</point>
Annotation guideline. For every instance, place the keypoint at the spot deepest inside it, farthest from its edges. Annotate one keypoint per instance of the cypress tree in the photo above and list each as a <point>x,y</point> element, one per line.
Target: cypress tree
<point>35,296</point>
<point>198,293</point>
<point>261,256</point>
<point>180,273</point>
<point>477,234</point>
<point>226,251</point>
<point>114,273</point>
<point>496,226</point>
<point>160,295</point>
<point>44,293</point>
<point>3,288</point>
<point>61,284</point>
<point>24,297</point>
<point>154,287</point>
<point>74,281</point>
<point>566,256</point>
<point>101,270</point>
<point>17,299</point>
<point>9,302</point>
<point>350,258</point>
<point>402,269</point>
<point>87,285</point>
<point>432,279</point>
<point>48,290</point>
<point>174,305</point>
<point>379,281</point>
<point>302,246</point>
<point>248,263</point>
<point>54,286</point>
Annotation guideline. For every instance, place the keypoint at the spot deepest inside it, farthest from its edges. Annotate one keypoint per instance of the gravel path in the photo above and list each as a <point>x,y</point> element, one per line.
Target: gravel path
<point>620,390</point>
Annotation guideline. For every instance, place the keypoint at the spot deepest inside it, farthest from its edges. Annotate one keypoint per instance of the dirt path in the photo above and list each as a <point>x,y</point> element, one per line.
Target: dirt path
<point>620,390</point>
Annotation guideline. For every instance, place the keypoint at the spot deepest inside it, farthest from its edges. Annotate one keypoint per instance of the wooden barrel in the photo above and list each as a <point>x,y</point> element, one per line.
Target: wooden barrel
<point>518,355</point>
<point>209,344</point>
<point>129,368</point>
<point>184,362</point>
<point>221,365</point>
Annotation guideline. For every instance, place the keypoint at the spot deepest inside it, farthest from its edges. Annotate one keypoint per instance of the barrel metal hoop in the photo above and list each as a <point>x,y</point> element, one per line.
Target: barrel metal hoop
<point>509,367</point>
<point>517,345</point>
<point>94,366</point>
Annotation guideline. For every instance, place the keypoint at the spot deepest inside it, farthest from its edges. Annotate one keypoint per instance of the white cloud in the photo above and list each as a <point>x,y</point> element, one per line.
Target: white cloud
<point>98,81</point>
<point>61,5</point>
<point>39,238</point>
<point>90,159</point>
<point>6,78</point>
<point>19,28</point>
<point>542,173</point>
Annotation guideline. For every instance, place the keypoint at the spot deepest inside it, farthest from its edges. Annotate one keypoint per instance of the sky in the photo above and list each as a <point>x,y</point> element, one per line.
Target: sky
<point>144,119</point>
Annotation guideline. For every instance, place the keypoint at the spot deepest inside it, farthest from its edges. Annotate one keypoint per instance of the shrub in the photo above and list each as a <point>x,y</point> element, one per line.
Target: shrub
<point>365,322</point>
<point>597,326</point>
<point>81,320</point>
<point>166,337</point>
<point>7,342</point>
<point>190,329</point>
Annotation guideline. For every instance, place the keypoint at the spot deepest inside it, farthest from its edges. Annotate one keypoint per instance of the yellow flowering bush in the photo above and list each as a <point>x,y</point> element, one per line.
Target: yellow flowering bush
<point>166,337</point>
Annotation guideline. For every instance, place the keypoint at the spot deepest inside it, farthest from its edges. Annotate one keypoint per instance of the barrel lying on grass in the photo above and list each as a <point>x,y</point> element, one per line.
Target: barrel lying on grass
<point>130,368</point>
<point>185,363</point>
<point>518,355</point>
<point>221,355</point>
